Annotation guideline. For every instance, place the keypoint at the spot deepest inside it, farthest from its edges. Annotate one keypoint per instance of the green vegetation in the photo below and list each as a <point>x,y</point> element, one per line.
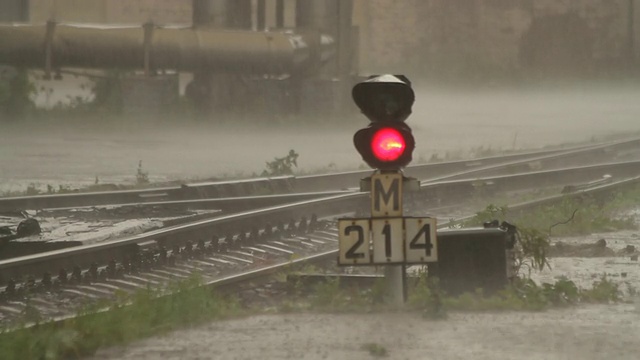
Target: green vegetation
<point>571,216</point>
<point>521,295</point>
<point>142,177</point>
<point>375,350</point>
<point>331,296</point>
<point>425,296</point>
<point>282,166</point>
<point>146,315</point>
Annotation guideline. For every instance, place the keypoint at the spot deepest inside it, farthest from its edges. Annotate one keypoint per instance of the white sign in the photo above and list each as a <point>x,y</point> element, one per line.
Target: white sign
<point>388,240</point>
<point>381,241</point>
<point>386,195</point>
<point>420,242</point>
<point>353,240</point>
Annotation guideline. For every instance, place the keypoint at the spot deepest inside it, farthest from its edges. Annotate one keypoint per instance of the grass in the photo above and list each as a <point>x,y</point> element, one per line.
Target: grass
<point>145,315</point>
<point>522,295</point>
<point>425,296</point>
<point>375,350</point>
<point>571,216</point>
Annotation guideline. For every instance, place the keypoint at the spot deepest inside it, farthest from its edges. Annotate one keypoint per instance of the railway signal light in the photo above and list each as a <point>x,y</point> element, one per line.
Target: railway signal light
<point>386,100</point>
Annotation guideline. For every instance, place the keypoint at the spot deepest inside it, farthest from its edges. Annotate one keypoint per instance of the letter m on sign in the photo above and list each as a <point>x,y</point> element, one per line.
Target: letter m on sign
<point>386,195</point>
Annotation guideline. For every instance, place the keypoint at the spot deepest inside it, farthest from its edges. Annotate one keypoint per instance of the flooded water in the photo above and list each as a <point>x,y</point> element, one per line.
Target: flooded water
<point>590,332</point>
<point>446,123</point>
<point>584,271</point>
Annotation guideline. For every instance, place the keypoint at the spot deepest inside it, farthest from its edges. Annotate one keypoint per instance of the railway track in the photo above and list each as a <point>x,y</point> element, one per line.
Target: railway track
<point>452,191</point>
<point>241,246</point>
<point>547,159</point>
<point>204,198</point>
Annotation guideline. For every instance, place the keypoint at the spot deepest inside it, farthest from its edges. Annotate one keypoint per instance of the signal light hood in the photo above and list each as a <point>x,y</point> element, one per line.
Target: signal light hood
<point>384,98</point>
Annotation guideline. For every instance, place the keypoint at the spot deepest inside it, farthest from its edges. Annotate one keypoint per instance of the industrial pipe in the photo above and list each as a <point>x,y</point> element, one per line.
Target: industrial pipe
<point>186,49</point>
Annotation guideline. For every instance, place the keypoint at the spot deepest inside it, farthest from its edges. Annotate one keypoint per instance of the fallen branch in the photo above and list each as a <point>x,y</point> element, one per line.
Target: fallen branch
<point>563,222</point>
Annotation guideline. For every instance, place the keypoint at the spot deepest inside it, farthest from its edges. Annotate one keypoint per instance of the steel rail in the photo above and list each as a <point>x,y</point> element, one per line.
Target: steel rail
<point>481,167</point>
<point>254,274</point>
<point>213,189</point>
<point>103,252</point>
<point>578,175</point>
<point>515,208</point>
<point>548,161</point>
<point>219,283</point>
<point>226,205</point>
<point>503,183</point>
<point>323,182</point>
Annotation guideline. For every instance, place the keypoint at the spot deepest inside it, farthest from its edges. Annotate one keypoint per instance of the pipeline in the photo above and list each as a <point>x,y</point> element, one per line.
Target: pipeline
<point>151,47</point>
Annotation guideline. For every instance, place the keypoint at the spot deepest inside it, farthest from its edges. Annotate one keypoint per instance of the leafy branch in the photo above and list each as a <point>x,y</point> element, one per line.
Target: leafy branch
<point>283,165</point>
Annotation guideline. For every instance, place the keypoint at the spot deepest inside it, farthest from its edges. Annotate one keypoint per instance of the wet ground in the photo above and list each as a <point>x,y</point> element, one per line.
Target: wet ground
<point>580,332</point>
<point>91,225</point>
<point>590,332</point>
<point>447,124</point>
<point>618,265</point>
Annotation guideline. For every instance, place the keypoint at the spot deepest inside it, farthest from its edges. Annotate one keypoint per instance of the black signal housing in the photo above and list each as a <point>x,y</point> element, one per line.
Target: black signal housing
<point>386,100</point>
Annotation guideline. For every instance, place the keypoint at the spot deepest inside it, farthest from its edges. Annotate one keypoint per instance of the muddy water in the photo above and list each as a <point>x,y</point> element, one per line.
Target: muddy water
<point>582,332</point>
<point>593,332</point>
<point>584,271</point>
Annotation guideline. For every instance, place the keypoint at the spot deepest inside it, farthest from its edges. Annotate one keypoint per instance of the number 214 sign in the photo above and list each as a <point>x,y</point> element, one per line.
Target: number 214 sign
<point>379,241</point>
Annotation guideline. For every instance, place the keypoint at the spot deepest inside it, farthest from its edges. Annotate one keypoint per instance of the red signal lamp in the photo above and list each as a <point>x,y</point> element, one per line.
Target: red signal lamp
<point>385,146</point>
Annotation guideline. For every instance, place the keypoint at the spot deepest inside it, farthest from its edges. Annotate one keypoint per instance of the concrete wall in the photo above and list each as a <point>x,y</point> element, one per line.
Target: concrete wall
<point>467,36</point>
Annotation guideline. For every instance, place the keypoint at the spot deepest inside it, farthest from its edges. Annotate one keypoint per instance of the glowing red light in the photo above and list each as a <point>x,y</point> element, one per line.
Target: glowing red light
<point>387,144</point>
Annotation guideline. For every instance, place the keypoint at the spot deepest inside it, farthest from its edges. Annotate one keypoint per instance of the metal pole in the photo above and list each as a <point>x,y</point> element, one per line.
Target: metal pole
<point>394,275</point>
<point>261,15</point>
<point>279,14</point>
<point>345,48</point>
<point>631,32</point>
<point>394,280</point>
<point>200,12</point>
<point>48,49</point>
<point>148,36</point>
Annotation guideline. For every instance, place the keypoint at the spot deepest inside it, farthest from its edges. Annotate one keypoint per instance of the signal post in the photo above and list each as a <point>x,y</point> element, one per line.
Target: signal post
<point>387,237</point>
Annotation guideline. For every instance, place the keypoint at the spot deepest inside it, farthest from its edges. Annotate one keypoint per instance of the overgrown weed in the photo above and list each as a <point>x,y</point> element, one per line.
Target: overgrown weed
<point>571,216</point>
<point>521,295</point>
<point>375,350</point>
<point>283,165</point>
<point>145,314</point>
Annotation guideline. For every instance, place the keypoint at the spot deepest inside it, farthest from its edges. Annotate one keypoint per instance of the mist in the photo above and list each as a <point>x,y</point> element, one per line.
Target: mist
<point>449,123</point>
<point>101,91</point>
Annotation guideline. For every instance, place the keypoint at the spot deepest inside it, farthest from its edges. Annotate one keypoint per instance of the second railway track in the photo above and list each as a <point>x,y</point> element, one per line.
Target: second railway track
<point>229,248</point>
<point>496,165</point>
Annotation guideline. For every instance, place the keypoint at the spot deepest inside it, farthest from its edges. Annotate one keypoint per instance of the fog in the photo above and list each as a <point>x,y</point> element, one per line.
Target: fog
<point>448,122</point>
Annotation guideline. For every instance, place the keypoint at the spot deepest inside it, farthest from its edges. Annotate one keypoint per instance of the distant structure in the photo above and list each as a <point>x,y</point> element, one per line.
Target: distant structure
<point>435,36</point>
<point>501,37</point>
<point>460,39</point>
